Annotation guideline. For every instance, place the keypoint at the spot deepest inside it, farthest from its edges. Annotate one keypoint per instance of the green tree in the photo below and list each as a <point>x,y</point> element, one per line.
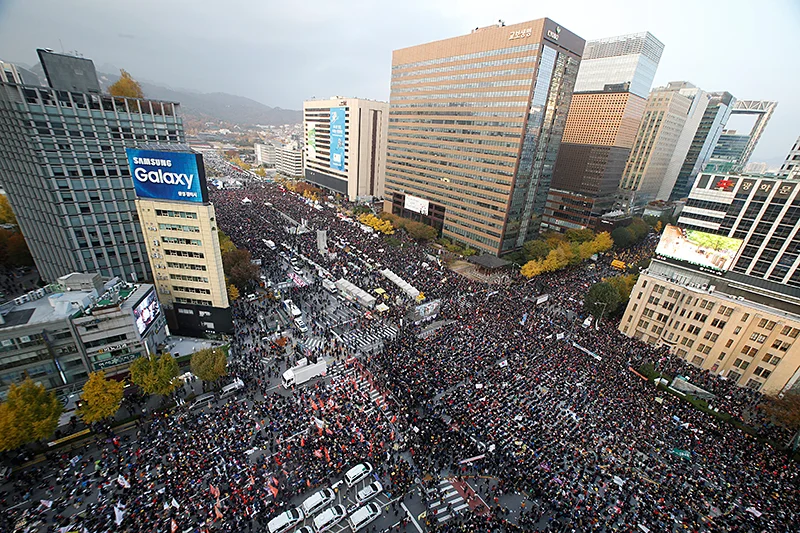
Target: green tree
<point>29,413</point>
<point>602,299</point>
<point>126,86</point>
<point>623,237</point>
<point>209,364</point>
<point>420,231</point>
<point>6,213</point>
<point>639,228</point>
<point>624,285</point>
<point>537,249</point>
<point>155,375</point>
<point>579,235</point>
<point>17,251</point>
<point>100,398</point>
<point>239,269</point>
<point>785,411</point>
<point>225,243</point>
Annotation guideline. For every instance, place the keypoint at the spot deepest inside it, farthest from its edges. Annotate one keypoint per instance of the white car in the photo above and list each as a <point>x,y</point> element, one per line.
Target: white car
<point>364,516</point>
<point>317,501</point>
<point>301,325</point>
<point>329,518</point>
<point>357,473</point>
<point>285,521</point>
<point>369,492</point>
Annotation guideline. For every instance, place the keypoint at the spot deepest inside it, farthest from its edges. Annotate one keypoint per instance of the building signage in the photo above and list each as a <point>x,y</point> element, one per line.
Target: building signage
<point>114,361</point>
<point>520,34</point>
<point>311,140</point>
<point>176,176</point>
<point>725,184</point>
<point>554,34</point>
<point>418,205</point>
<point>113,347</point>
<point>337,131</point>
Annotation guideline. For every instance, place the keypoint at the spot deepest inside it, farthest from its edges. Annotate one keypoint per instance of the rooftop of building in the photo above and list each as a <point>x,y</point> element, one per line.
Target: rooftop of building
<point>74,295</point>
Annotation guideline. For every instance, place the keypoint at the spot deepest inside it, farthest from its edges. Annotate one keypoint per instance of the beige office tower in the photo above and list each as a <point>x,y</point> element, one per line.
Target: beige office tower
<point>345,150</point>
<point>180,231</point>
<point>671,118</point>
<point>475,125</point>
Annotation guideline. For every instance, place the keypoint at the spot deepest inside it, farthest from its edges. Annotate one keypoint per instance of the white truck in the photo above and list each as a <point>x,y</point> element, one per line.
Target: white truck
<point>303,371</point>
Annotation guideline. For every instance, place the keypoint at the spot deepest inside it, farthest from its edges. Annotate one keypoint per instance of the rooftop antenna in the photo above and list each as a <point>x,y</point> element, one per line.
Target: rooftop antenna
<point>62,45</point>
<point>502,22</point>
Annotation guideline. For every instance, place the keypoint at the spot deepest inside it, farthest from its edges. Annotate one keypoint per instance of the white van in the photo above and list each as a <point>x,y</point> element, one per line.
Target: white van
<point>285,521</point>
<point>301,325</point>
<point>329,518</point>
<point>317,501</point>
<point>291,308</point>
<point>329,286</point>
<point>270,244</point>
<point>364,516</point>
<point>357,473</point>
<point>230,390</point>
<point>251,297</point>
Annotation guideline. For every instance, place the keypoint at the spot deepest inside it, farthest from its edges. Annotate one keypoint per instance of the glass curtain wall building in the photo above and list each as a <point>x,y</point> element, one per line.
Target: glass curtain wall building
<point>475,125</point>
<point>64,167</point>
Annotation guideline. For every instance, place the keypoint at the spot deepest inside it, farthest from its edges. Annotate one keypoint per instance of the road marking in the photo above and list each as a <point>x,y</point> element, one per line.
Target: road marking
<point>413,520</point>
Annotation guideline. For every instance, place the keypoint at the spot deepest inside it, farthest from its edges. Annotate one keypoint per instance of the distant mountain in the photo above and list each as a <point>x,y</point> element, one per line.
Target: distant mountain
<point>215,107</point>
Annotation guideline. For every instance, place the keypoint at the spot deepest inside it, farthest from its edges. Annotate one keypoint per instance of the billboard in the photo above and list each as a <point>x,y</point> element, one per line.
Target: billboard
<point>146,311</point>
<point>337,137</point>
<point>716,252</point>
<point>418,205</point>
<point>311,140</point>
<point>175,176</point>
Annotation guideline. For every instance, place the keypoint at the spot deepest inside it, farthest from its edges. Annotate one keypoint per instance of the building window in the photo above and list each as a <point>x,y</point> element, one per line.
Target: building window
<point>745,317</point>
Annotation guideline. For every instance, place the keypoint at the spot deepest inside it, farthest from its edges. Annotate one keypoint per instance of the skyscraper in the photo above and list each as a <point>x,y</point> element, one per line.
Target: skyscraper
<point>791,167</point>
<point>662,142</point>
<point>63,164</point>
<point>631,59</point>
<point>614,78</point>
<point>711,125</point>
<point>345,150</point>
<point>475,124</point>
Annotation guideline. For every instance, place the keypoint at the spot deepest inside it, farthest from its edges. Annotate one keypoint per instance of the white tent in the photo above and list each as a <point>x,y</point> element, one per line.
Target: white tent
<point>405,286</point>
<point>355,293</point>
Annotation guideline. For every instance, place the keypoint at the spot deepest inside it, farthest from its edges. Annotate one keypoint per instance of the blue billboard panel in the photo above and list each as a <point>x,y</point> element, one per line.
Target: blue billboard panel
<point>337,137</point>
<point>175,176</point>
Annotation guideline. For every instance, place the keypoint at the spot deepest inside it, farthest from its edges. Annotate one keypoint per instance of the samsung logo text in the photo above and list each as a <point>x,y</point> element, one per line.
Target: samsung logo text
<point>152,162</point>
<point>168,178</point>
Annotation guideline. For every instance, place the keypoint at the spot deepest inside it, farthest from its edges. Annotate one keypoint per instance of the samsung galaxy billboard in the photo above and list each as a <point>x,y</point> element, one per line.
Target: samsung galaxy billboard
<point>337,137</point>
<point>174,176</point>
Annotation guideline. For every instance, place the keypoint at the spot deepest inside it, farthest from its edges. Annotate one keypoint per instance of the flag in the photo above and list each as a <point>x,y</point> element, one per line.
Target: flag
<point>314,405</point>
<point>124,482</point>
<point>318,453</point>
<point>217,512</point>
<point>302,442</point>
<point>118,515</point>
<point>175,504</point>
<point>327,455</point>
<point>46,503</point>
<point>274,491</point>
<point>214,490</point>
<point>394,419</point>
<point>173,526</point>
<point>275,480</point>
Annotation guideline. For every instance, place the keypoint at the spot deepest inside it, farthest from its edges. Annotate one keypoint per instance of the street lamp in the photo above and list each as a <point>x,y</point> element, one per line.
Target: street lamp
<point>604,304</point>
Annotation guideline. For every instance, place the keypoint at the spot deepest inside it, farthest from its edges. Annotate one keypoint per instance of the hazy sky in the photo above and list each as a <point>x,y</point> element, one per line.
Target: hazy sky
<point>282,52</point>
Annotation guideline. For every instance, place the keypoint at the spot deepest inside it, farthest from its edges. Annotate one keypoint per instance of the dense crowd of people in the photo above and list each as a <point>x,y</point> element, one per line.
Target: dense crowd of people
<point>540,406</point>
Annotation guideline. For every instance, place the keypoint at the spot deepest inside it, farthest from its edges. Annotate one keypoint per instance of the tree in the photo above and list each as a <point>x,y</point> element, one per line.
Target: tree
<point>261,172</point>
<point>233,292</point>
<point>225,243</point>
<point>602,242</point>
<point>209,364</point>
<point>17,250</point>
<point>558,258</point>
<point>30,413</point>
<point>532,268</point>
<point>126,86</point>
<point>639,228</point>
<point>602,299</point>
<point>579,235</point>
<point>553,239</point>
<point>6,213</point>
<point>537,249</point>
<point>100,398</point>
<point>785,411</point>
<point>155,375</point>
<point>623,237</point>
<point>239,269</point>
<point>624,285</point>
<point>420,231</point>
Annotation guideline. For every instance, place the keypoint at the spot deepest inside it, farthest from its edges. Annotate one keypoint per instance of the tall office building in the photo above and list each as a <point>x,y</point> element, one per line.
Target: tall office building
<point>345,149</point>
<point>265,154</point>
<point>723,291</point>
<point>11,73</point>
<point>625,59</point>
<point>180,229</point>
<point>791,167</point>
<point>614,78</point>
<point>712,123</point>
<point>63,165</point>
<point>662,142</point>
<point>475,124</point>
<point>289,160</point>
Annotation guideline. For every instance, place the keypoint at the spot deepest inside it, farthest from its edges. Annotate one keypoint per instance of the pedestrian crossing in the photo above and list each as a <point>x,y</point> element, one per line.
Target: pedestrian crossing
<point>367,340</point>
<point>314,344</point>
<point>376,400</point>
<point>448,503</point>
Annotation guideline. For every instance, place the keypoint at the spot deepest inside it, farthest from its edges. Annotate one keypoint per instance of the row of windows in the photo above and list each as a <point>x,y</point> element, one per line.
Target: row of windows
<point>192,301</point>
<point>178,240</point>
<point>181,277</point>
<point>194,290</point>
<point>467,76</point>
<point>186,266</point>
<point>517,104</point>
<point>179,227</point>
<point>471,96</point>
<point>175,214</point>
<point>451,86</point>
<point>402,145</point>
<point>463,57</point>
<point>491,166</point>
<point>404,122</point>
<point>181,253</point>
<point>414,138</point>
<point>103,342</point>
